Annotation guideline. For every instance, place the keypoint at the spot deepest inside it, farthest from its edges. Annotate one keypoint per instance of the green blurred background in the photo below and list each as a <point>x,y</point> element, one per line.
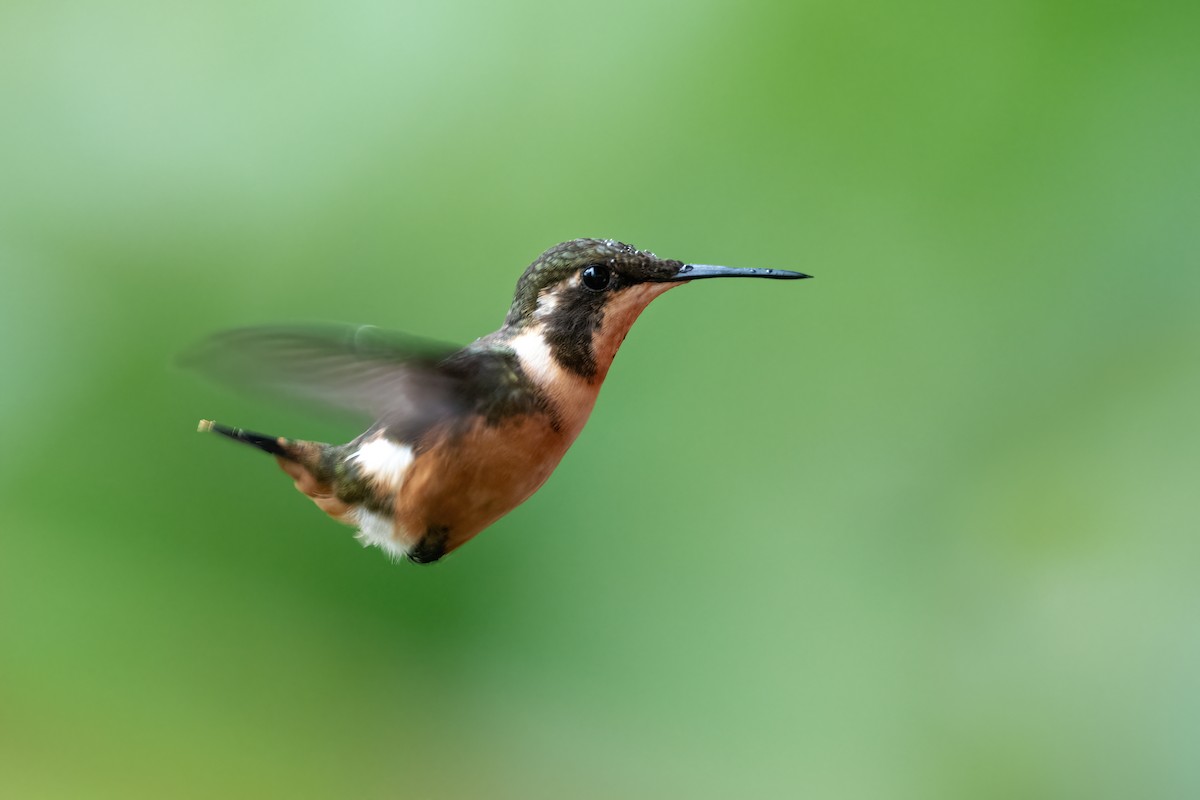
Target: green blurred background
<point>924,527</point>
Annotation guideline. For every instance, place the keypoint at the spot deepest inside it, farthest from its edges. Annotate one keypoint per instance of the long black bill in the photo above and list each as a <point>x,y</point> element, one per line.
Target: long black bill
<point>692,272</point>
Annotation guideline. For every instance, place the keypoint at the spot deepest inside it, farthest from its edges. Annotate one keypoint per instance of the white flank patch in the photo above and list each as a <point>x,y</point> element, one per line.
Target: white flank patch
<point>376,530</point>
<point>384,460</point>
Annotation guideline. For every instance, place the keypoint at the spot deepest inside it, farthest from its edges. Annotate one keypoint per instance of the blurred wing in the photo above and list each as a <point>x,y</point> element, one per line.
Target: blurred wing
<point>389,376</point>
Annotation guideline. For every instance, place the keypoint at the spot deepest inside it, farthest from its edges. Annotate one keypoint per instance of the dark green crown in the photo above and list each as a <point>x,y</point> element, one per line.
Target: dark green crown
<point>562,260</point>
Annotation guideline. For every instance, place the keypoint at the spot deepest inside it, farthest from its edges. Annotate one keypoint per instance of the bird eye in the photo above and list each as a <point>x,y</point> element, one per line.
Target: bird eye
<point>596,277</point>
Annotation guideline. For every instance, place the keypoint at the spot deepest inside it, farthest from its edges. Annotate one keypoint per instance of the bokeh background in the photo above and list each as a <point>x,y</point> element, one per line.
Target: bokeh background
<point>924,527</point>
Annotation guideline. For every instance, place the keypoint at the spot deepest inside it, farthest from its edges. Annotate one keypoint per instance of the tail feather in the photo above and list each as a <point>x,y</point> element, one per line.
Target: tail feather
<point>312,465</point>
<point>274,445</point>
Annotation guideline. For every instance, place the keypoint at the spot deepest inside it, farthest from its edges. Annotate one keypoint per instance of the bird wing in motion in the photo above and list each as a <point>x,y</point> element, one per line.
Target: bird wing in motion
<point>398,380</point>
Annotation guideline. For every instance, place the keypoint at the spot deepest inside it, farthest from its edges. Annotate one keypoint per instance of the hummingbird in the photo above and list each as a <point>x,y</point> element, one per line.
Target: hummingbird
<point>460,436</point>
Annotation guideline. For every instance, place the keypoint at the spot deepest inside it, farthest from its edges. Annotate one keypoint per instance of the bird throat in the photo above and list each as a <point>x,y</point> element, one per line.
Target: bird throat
<point>583,329</point>
<point>569,344</point>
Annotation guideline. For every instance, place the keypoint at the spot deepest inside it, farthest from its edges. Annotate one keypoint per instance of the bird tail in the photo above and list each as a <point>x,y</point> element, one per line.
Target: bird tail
<point>310,464</point>
<point>275,445</point>
<point>312,456</point>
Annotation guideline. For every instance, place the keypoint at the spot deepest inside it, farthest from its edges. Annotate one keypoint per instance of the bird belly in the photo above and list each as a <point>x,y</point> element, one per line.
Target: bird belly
<point>460,486</point>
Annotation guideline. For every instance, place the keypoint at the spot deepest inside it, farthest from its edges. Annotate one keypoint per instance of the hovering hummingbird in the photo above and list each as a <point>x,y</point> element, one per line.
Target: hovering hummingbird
<point>461,436</point>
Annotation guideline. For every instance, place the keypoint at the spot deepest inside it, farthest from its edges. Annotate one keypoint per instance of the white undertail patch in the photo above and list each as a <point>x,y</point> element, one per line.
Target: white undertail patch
<point>385,462</point>
<point>376,530</point>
